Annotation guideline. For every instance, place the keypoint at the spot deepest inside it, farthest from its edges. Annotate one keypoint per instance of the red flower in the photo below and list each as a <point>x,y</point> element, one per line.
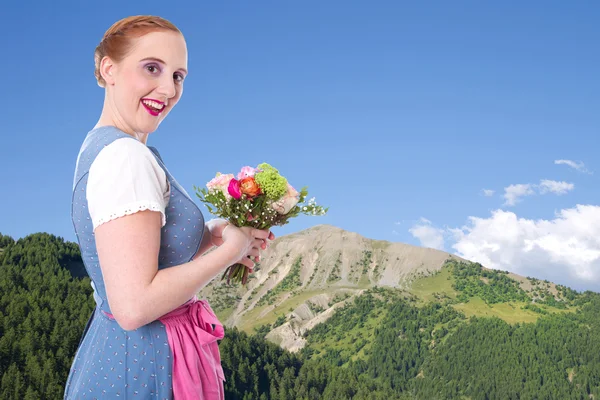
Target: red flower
<point>234,189</point>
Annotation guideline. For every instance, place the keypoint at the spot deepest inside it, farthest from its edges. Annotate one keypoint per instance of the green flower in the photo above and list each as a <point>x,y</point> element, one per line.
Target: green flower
<point>271,183</point>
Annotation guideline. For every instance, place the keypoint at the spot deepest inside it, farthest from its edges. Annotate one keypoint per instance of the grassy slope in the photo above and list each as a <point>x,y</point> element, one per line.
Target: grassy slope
<point>510,312</point>
<point>431,288</point>
<point>344,341</point>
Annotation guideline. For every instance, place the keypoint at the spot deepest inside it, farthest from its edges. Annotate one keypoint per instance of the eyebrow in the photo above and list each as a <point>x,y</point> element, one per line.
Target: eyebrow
<point>162,62</point>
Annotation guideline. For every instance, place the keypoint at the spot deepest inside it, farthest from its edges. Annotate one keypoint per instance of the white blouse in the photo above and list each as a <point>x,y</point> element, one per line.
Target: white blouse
<point>123,179</point>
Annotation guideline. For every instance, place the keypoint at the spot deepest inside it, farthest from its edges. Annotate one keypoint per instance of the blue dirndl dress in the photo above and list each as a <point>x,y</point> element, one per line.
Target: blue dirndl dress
<point>111,362</point>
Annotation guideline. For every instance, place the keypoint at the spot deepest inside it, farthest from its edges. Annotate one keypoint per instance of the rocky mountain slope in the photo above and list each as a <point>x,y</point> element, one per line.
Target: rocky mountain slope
<point>305,277</point>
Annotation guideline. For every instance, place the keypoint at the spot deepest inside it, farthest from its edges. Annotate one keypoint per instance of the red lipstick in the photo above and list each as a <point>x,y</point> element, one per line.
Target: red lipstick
<point>154,107</point>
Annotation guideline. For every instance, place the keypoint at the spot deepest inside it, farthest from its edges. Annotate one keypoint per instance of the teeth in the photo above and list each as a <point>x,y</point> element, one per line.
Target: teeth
<point>153,104</point>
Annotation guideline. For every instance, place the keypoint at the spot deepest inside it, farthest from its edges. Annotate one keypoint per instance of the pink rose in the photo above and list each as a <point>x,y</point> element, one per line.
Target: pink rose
<point>287,202</point>
<point>246,172</point>
<point>234,189</point>
<point>220,182</point>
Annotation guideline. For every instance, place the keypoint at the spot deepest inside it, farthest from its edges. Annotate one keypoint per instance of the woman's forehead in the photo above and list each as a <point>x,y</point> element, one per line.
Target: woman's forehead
<point>169,47</point>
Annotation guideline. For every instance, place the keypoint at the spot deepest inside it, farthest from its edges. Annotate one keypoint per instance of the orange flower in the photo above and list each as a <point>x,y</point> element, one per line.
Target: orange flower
<point>249,187</point>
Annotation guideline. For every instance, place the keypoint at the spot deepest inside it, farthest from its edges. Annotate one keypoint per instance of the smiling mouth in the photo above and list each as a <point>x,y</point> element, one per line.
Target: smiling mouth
<point>153,107</point>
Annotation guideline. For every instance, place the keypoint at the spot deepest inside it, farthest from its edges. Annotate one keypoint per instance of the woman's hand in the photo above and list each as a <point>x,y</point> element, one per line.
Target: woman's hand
<point>247,241</point>
<point>215,228</point>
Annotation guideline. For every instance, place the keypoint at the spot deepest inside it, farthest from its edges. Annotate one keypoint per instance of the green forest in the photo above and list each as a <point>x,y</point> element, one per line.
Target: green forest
<point>386,344</point>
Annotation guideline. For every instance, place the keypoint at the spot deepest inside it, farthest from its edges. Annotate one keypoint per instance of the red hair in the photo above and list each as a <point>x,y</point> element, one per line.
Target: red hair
<point>116,42</point>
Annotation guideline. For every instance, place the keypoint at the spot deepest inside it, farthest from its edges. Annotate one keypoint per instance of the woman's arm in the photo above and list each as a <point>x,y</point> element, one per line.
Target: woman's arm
<point>137,291</point>
<point>206,243</point>
<point>126,172</point>
<point>213,231</point>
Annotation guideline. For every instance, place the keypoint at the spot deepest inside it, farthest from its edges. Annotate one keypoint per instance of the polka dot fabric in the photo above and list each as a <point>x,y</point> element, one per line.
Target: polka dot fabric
<point>111,363</point>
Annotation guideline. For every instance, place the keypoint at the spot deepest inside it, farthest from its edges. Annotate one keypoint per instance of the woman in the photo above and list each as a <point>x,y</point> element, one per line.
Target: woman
<point>143,239</point>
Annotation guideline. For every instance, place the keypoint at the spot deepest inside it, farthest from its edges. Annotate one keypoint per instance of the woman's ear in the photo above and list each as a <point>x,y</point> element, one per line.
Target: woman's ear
<point>106,70</point>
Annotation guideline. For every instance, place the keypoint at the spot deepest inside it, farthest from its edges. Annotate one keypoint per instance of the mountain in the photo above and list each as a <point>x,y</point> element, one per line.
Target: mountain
<point>372,319</point>
<point>305,277</point>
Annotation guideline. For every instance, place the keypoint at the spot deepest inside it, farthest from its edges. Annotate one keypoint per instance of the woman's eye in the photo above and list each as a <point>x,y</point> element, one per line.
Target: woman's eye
<point>152,68</point>
<point>178,78</point>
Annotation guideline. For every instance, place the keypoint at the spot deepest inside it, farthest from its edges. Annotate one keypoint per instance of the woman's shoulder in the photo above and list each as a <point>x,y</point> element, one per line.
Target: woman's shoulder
<point>127,146</point>
<point>95,141</point>
<point>110,142</point>
<point>125,178</point>
<point>127,154</point>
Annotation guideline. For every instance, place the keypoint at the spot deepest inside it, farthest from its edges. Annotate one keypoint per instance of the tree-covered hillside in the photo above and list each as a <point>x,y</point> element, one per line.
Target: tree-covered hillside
<point>43,311</point>
<point>462,333</point>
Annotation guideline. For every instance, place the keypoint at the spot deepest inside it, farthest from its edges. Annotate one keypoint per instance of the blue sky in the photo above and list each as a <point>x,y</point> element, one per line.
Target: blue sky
<point>396,115</point>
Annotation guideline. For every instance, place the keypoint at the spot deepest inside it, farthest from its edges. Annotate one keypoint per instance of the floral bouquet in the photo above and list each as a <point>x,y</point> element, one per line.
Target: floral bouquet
<point>259,197</point>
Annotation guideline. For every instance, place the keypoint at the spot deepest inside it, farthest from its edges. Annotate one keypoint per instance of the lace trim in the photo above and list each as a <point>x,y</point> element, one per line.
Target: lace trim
<point>132,208</point>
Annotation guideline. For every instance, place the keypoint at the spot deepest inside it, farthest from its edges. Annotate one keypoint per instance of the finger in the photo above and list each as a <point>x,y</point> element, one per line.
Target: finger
<point>260,233</point>
<point>271,236</point>
<point>224,229</point>
<point>262,244</point>
<point>247,262</point>
<point>254,252</point>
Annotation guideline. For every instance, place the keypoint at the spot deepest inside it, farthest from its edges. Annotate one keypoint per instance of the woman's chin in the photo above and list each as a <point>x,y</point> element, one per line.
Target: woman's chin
<point>149,126</point>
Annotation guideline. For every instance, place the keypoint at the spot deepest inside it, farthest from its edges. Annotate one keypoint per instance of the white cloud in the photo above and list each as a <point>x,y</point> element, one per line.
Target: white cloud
<point>513,193</point>
<point>555,187</point>
<point>579,166</point>
<point>564,250</point>
<point>428,235</point>
<point>488,192</point>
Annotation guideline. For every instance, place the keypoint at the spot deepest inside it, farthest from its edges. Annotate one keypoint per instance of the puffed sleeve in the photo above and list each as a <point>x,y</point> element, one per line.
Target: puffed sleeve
<point>123,179</point>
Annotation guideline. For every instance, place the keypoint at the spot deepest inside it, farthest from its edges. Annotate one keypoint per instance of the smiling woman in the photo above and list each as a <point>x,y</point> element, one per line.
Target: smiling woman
<point>144,66</point>
<point>143,240</point>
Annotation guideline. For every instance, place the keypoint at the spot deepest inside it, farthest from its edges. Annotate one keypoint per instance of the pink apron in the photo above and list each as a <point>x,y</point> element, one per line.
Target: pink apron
<point>197,370</point>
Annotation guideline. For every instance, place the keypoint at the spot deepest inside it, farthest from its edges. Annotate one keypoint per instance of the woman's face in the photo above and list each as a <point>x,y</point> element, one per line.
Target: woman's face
<point>148,82</point>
